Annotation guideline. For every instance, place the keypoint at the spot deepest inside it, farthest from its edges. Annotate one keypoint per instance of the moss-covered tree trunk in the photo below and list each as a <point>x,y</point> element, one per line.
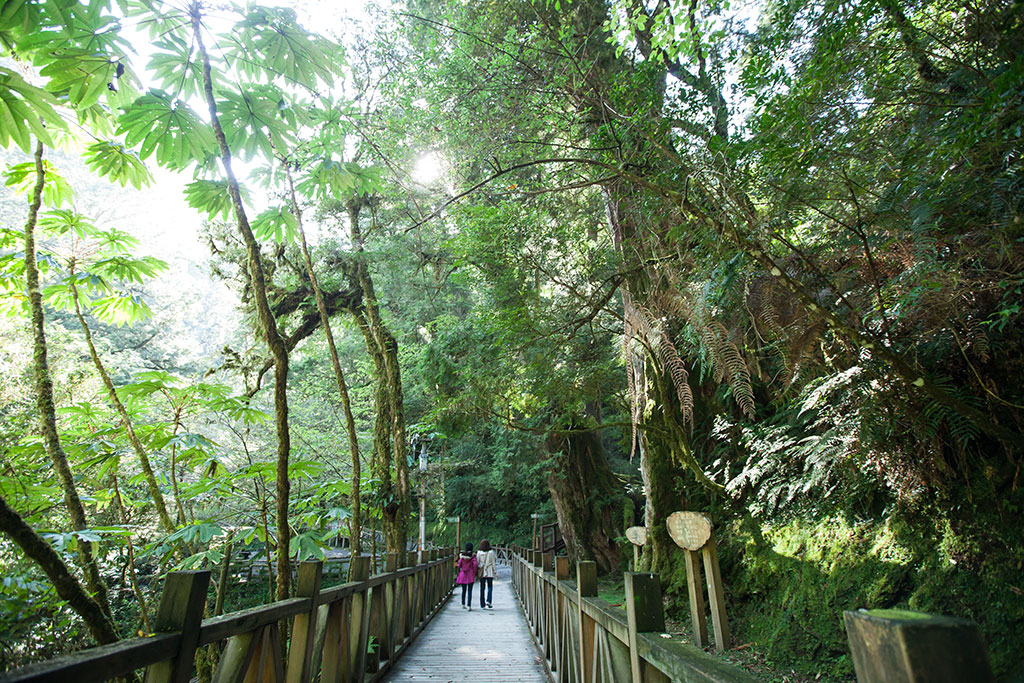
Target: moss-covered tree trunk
<point>355,525</point>
<point>140,452</point>
<point>268,324</point>
<point>389,461</point>
<point>42,553</point>
<point>587,501</point>
<point>44,394</point>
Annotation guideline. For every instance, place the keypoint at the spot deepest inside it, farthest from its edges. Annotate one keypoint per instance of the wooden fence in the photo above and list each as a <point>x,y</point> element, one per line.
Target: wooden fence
<point>584,640</point>
<point>349,633</point>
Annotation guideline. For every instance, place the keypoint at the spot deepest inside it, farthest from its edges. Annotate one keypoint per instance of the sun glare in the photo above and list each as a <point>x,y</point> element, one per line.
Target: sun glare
<point>427,169</point>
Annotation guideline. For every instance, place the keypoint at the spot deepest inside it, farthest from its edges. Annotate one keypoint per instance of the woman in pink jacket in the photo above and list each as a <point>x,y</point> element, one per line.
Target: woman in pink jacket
<point>467,575</point>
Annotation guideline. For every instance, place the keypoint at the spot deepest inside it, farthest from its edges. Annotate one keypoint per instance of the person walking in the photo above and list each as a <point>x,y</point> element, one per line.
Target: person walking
<point>487,561</point>
<point>467,575</point>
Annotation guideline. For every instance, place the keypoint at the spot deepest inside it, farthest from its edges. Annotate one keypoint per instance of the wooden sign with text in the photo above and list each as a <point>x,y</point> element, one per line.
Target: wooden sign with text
<point>692,532</point>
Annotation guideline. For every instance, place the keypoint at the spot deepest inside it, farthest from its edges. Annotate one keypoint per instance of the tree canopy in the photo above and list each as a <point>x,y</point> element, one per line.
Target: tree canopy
<point>600,261</point>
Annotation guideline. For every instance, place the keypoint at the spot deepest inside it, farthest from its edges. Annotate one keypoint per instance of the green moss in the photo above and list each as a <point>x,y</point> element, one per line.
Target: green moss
<point>787,586</point>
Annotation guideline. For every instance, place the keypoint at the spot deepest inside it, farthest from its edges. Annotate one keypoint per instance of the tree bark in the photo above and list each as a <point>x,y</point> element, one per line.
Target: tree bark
<point>68,588</point>
<point>389,399</point>
<point>355,542</point>
<point>133,438</point>
<point>268,324</point>
<point>44,394</point>
<point>588,504</point>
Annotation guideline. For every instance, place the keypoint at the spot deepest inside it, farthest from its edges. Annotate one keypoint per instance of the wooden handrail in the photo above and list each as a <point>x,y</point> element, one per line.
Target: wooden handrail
<point>332,629</point>
<point>585,640</point>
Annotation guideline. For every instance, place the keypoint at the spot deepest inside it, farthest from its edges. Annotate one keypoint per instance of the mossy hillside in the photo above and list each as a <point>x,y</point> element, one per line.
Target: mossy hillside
<point>787,586</point>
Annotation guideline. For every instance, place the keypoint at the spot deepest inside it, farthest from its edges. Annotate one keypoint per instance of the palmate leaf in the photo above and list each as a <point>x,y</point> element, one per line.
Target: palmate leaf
<point>114,161</point>
<point>167,127</point>
<point>62,221</point>
<point>19,16</point>
<point>60,295</point>
<point>269,41</point>
<point>306,545</point>
<point>25,110</point>
<point>276,223</point>
<point>81,76</point>
<point>257,120</point>
<point>120,308</point>
<point>174,67</point>
<point>22,178</point>
<point>212,198</point>
<point>127,268</point>
<point>328,179</point>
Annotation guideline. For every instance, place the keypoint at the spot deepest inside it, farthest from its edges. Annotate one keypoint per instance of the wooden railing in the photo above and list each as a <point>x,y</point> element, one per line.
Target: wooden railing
<point>584,640</point>
<point>352,632</point>
<point>504,555</point>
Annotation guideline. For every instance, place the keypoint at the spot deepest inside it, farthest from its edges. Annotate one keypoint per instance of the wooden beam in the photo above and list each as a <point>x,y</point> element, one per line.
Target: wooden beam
<point>716,596</point>
<point>695,589</point>
<point>644,614</point>
<point>300,651</point>
<point>181,610</point>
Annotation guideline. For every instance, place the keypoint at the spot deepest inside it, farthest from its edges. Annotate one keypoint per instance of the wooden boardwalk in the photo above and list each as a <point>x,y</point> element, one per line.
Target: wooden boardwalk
<point>483,645</point>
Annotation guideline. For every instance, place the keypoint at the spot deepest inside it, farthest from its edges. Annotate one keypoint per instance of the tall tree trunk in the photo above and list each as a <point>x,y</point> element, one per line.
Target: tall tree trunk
<point>355,543</point>
<point>44,394</point>
<point>42,553</point>
<point>268,324</point>
<point>395,513</point>
<point>133,438</point>
<point>587,501</point>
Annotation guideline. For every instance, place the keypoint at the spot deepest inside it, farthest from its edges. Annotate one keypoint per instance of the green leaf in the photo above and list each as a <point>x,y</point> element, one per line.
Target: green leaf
<point>63,221</point>
<point>175,66</point>
<point>276,223</point>
<point>114,161</point>
<point>25,110</point>
<point>168,128</point>
<point>120,308</point>
<point>56,190</point>
<point>257,120</point>
<point>270,43</point>
<point>80,75</point>
<point>212,197</point>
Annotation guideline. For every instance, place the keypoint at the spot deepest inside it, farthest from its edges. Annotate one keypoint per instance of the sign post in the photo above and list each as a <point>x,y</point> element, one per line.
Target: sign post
<point>637,535</point>
<point>692,532</point>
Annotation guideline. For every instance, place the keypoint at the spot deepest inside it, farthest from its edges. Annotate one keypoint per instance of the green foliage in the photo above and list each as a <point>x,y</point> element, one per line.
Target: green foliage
<point>25,111</point>
<point>277,224</point>
<point>22,178</point>
<point>114,161</point>
<point>168,127</point>
<point>211,197</point>
<point>268,40</point>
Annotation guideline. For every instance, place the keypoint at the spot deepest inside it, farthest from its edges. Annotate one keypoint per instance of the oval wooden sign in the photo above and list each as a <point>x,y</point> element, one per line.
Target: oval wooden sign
<point>690,530</point>
<point>637,535</point>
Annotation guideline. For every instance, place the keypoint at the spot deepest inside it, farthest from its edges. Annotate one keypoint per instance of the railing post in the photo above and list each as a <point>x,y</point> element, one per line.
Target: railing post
<point>181,609</point>
<point>388,643</point>
<point>357,622</point>
<point>300,652</point>
<point>546,612</point>
<point>900,645</point>
<point>561,662</point>
<point>644,613</point>
<point>561,568</point>
<point>586,584</point>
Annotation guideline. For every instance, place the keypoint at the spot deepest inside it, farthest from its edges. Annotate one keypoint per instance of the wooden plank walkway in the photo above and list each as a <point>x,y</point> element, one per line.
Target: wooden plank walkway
<point>483,645</point>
